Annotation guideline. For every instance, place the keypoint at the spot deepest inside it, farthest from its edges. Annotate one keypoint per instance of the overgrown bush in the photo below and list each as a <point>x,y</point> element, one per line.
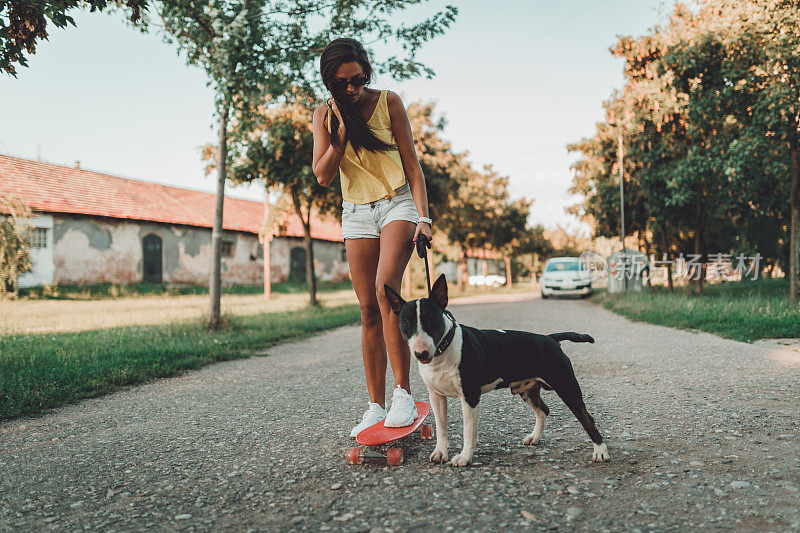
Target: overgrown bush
<point>14,245</point>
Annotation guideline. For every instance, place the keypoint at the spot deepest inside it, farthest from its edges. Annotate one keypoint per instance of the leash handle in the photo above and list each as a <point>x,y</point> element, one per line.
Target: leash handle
<point>422,243</point>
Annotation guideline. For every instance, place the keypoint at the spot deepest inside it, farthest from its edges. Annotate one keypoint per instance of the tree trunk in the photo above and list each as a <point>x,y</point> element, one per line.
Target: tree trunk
<point>665,254</point>
<point>461,268</point>
<point>485,271</point>
<point>508,270</point>
<point>215,282</point>
<point>3,288</point>
<point>14,281</point>
<point>699,245</point>
<point>311,278</point>
<point>267,268</point>
<point>794,245</point>
<point>670,282</point>
<point>621,194</point>
<point>647,251</point>
<point>267,256</point>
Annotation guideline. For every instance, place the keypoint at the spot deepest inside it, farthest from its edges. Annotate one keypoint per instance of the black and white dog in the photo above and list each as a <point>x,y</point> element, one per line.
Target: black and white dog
<point>464,362</point>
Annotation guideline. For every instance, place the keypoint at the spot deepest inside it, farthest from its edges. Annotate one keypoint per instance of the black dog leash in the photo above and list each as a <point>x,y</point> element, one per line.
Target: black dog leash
<point>422,244</point>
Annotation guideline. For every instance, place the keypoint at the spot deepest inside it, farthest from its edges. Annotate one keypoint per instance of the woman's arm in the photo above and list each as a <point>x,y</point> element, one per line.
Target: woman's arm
<point>326,159</point>
<point>408,155</point>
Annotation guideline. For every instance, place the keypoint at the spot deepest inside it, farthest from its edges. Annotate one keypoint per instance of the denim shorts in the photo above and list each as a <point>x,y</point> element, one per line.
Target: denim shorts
<point>366,220</point>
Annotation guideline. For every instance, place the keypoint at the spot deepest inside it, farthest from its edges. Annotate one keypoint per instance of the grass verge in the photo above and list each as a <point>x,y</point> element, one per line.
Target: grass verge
<point>744,311</point>
<point>38,372</point>
<point>105,291</point>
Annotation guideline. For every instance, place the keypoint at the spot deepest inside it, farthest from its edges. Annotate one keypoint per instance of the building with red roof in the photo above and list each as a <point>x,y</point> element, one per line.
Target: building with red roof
<point>92,227</point>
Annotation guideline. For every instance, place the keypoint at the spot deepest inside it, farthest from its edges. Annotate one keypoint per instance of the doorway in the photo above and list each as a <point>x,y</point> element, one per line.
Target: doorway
<point>152,258</point>
<point>297,264</point>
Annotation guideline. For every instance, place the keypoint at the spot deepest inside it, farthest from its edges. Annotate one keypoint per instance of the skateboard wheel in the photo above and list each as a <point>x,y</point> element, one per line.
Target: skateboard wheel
<point>394,456</point>
<point>426,431</point>
<point>354,456</point>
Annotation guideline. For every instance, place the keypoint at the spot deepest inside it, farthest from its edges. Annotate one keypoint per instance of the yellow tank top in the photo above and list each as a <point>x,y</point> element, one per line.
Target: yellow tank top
<point>377,174</point>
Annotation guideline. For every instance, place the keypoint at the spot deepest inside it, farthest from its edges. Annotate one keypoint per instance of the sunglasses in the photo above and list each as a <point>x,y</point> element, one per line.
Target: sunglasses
<point>340,84</point>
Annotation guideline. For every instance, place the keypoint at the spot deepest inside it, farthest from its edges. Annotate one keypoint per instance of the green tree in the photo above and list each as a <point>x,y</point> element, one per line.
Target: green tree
<point>768,44</point>
<point>707,132</point>
<point>700,69</point>
<point>14,245</point>
<point>274,150</point>
<point>478,215</point>
<point>436,158</point>
<point>510,234</point>
<point>22,24</point>
<point>459,215</point>
<point>441,167</point>
<point>531,248</point>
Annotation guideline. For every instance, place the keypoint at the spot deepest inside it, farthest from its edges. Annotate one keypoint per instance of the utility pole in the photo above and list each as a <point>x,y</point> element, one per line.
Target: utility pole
<point>622,207</point>
<point>265,246</point>
<point>621,190</point>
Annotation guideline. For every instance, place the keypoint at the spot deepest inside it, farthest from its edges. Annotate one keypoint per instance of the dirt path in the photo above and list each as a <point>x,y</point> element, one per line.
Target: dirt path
<point>703,434</point>
<point>24,317</point>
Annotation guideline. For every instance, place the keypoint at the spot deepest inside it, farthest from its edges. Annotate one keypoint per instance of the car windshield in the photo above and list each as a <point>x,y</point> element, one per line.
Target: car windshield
<point>561,266</point>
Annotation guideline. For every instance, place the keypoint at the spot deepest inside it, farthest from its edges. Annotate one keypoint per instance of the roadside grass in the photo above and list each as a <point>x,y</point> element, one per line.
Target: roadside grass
<point>744,311</point>
<point>38,372</point>
<point>103,291</point>
<point>29,317</point>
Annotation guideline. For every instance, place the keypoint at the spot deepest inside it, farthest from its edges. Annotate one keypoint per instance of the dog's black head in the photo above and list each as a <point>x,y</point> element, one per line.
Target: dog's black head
<point>422,321</point>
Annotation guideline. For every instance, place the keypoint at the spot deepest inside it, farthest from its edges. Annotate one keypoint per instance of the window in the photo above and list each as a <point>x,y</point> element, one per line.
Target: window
<point>565,264</point>
<point>39,238</point>
<point>227,248</point>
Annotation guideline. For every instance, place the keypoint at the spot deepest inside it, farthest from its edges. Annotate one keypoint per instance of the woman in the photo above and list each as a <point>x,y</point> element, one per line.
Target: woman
<point>365,134</point>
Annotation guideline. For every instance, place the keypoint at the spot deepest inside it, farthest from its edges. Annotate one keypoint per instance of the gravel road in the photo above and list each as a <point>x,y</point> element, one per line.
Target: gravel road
<point>702,431</point>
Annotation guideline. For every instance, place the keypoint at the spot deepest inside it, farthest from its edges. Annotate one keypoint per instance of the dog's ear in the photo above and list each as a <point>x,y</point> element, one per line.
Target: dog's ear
<point>439,292</point>
<point>395,299</point>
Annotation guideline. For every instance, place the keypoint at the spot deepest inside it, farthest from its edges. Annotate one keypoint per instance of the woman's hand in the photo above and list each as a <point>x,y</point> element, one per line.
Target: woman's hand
<point>335,108</point>
<point>425,228</point>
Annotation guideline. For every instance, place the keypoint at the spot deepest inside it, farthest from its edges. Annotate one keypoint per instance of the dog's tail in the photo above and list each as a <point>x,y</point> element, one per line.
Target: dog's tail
<point>571,336</point>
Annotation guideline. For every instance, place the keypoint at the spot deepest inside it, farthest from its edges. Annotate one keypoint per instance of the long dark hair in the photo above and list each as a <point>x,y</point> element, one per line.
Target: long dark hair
<point>359,133</point>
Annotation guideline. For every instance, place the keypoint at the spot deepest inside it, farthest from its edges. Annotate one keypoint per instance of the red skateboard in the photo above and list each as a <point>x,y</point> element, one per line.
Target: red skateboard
<point>378,435</point>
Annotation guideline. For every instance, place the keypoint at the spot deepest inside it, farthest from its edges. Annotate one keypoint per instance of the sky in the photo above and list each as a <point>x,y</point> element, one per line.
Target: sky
<point>517,80</point>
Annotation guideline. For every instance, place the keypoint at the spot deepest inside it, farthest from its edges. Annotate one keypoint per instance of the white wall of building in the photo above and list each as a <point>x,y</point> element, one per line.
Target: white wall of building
<point>41,253</point>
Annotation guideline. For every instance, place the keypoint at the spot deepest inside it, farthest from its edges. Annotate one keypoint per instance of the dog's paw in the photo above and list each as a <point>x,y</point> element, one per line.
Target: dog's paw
<point>462,459</point>
<point>531,440</point>
<point>439,455</point>
<point>600,454</point>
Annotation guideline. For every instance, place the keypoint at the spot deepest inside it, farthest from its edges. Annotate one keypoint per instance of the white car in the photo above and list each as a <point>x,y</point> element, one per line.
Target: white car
<point>567,276</point>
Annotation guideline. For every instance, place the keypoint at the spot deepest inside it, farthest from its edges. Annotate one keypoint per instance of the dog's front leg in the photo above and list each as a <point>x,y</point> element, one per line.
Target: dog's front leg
<point>439,405</point>
<point>470,415</point>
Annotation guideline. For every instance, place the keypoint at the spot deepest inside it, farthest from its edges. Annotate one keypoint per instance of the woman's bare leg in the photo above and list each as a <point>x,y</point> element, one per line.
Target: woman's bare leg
<point>396,247</point>
<point>362,257</point>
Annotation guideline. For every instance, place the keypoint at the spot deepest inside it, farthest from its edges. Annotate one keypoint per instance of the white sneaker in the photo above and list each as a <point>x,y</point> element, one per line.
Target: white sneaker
<point>374,414</point>
<point>403,411</point>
